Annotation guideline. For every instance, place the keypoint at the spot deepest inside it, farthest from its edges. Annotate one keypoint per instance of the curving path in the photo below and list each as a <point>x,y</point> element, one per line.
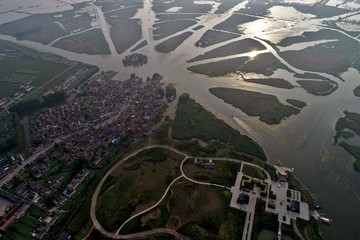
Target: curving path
<point>116,235</point>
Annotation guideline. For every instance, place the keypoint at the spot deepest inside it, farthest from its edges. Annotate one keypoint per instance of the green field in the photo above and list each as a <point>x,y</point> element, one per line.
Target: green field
<point>274,82</point>
<point>172,43</point>
<point>264,64</point>
<point>238,47</point>
<point>318,87</point>
<point>195,211</point>
<point>357,91</point>
<point>212,37</point>
<point>223,174</point>
<point>193,121</point>
<point>265,106</point>
<point>296,103</point>
<point>15,70</point>
<point>89,42</point>
<point>346,127</point>
<point>136,185</point>
<point>165,29</point>
<point>253,172</point>
<point>22,228</point>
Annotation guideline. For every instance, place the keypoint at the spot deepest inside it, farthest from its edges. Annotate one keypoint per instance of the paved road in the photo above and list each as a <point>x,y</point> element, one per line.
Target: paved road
<point>24,164</point>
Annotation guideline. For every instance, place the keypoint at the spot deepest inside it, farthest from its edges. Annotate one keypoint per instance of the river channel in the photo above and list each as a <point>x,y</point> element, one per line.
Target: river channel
<point>303,141</point>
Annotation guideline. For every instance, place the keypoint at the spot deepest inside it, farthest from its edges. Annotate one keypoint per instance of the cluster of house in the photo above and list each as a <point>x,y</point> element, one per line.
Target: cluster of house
<point>9,163</point>
<point>103,114</point>
<point>71,79</point>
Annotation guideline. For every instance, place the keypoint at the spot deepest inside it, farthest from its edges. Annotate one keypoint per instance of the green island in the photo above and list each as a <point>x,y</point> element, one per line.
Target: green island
<point>89,42</point>
<point>264,64</point>
<point>170,93</point>
<point>238,47</point>
<point>172,43</point>
<point>347,127</point>
<point>318,87</point>
<point>193,121</point>
<point>274,82</point>
<point>211,37</point>
<point>265,106</point>
<point>165,29</point>
<point>357,91</point>
<point>125,30</point>
<point>296,103</point>
<point>337,58</point>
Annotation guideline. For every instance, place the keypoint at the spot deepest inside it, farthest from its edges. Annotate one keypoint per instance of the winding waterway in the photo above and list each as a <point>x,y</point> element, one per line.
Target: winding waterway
<point>303,141</point>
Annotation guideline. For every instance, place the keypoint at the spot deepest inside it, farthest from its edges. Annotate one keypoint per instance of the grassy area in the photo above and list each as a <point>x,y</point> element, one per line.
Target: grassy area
<point>353,151</point>
<point>172,43</point>
<point>170,93</point>
<point>316,87</point>
<point>136,185</point>
<point>198,212</point>
<point>296,103</point>
<point>264,64</point>
<point>226,5</point>
<point>238,47</point>
<point>351,121</point>
<point>22,228</point>
<point>265,106</point>
<point>164,29</point>
<point>38,28</point>
<point>224,173</point>
<point>332,57</point>
<point>18,70</point>
<point>89,42</point>
<point>253,172</point>
<point>125,31</point>
<point>11,133</point>
<point>357,91</point>
<point>142,44</point>
<point>212,37</point>
<point>193,121</point>
<point>274,82</point>
<point>186,6</point>
<point>231,24</point>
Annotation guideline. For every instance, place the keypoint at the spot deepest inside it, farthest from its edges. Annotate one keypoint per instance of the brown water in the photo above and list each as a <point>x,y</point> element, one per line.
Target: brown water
<point>303,141</point>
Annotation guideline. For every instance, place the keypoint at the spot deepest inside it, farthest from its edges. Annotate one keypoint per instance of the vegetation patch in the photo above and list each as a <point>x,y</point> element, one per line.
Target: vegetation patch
<point>89,42</point>
<point>186,6</point>
<point>265,106</point>
<point>142,44</point>
<point>316,87</point>
<point>172,43</point>
<point>232,23</point>
<point>170,93</point>
<point>264,64</point>
<point>238,47</point>
<point>224,173</point>
<point>296,103</point>
<point>253,171</point>
<point>212,37</point>
<point>274,82</point>
<point>193,121</point>
<point>129,186</point>
<point>166,29</point>
<point>195,211</point>
<point>357,91</point>
<point>332,57</point>
<point>125,31</point>
<point>347,127</point>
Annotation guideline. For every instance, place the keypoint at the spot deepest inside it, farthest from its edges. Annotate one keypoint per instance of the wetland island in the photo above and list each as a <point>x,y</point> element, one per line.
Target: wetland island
<point>182,119</point>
